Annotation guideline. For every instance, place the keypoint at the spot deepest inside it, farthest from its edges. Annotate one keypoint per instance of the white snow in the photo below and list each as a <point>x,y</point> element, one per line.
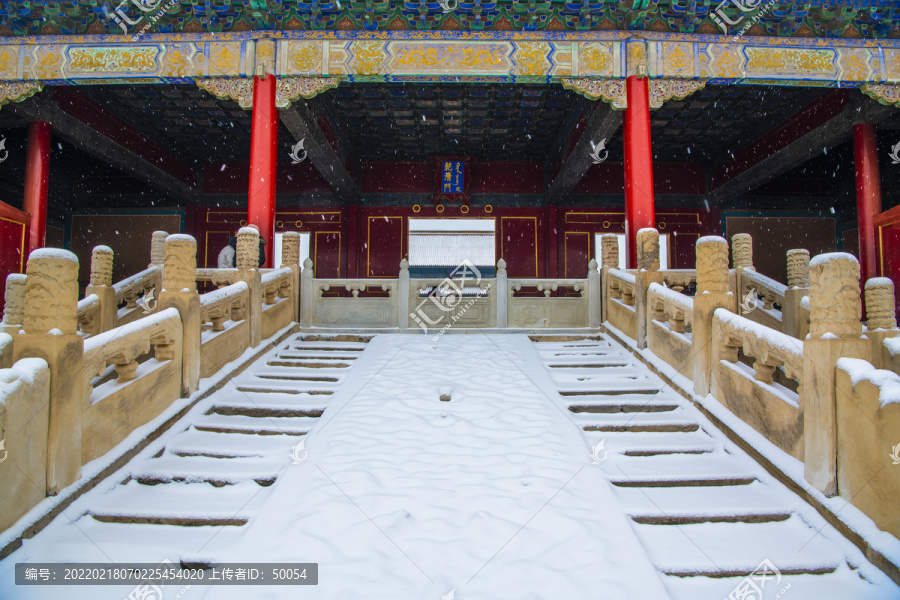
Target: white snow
<point>829,256</point>
<point>712,238</point>
<point>220,294</point>
<point>123,285</point>
<point>685,302</point>
<point>103,248</point>
<point>627,277</point>
<point>22,372</point>
<point>248,230</point>
<point>181,237</point>
<point>55,253</point>
<point>887,382</point>
<point>101,339</point>
<point>763,281</point>
<point>892,344</point>
<point>879,281</point>
<point>653,229</point>
<point>274,274</point>
<point>775,338</point>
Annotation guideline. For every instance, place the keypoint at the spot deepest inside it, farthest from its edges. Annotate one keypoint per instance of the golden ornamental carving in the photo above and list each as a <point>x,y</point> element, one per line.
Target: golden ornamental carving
<point>9,62</point>
<point>532,59</point>
<point>304,57</point>
<point>289,89</point>
<point>47,62</point>
<point>637,58</point>
<point>790,61</point>
<point>678,59</point>
<point>13,91</point>
<point>854,63</point>
<point>115,60</point>
<point>264,58</point>
<point>663,90</point>
<point>596,58</point>
<point>726,61</point>
<point>223,58</point>
<point>449,57</point>
<point>883,93</point>
<point>368,57</point>
<point>239,90</point>
<point>176,62</point>
<point>611,91</point>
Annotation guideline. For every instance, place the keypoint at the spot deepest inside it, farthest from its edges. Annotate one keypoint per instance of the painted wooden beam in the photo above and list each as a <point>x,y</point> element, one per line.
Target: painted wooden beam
<point>791,154</point>
<point>301,124</point>
<point>603,123</point>
<point>44,107</point>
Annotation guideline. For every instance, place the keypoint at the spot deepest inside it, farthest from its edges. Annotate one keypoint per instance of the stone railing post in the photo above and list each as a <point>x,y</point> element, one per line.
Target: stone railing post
<point>648,272</point>
<point>246,260</point>
<point>158,249</point>
<point>834,332</point>
<point>712,293</point>
<point>14,309</point>
<point>403,296</point>
<point>51,333</point>
<point>180,290</point>
<point>594,293</point>
<point>307,294</point>
<point>290,257</point>
<point>502,293</point>
<point>102,286</point>
<point>609,259</point>
<point>741,258</point>
<point>881,319</point>
<point>792,322</point>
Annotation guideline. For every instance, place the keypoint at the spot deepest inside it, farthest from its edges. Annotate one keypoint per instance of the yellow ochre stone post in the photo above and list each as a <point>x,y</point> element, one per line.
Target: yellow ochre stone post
<point>648,272</point>
<point>290,257</point>
<point>835,332</point>
<point>712,293</point>
<point>14,309</point>
<point>247,261</point>
<point>881,320</point>
<point>741,258</point>
<point>51,333</point>
<point>792,318</point>
<point>102,286</point>
<point>180,291</point>
<point>609,259</point>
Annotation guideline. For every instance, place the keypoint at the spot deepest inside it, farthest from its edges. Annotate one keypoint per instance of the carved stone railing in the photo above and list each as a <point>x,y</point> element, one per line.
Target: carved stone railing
<point>318,309</point>
<point>544,310</point>
<point>225,329</point>
<point>277,291</point>
<point>134,288</point>
<point>89,316</point>
<point>125,385</point>
<point>217,277</point>
<point>620,309</point>
<point>669,325</point>
<point>679,280</point>
<point>434,303</point>
<point>761,299</point>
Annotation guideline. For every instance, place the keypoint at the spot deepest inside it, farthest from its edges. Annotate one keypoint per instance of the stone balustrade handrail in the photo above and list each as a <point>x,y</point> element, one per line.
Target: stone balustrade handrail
<point>130,288</point>
<point>355,286</point>
<point>547,286</point>
<point>668,305</point>
<point>123,345</point>
<point>219,277</point>
<point>224,304</point>
<point>88,311</point>
<point>770,348</point>
<point>679,279</point>
<point>622,275</point>
<point>768,288</point>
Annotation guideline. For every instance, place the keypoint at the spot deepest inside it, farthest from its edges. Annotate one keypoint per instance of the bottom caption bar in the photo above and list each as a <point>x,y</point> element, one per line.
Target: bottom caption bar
<point>166,573</point>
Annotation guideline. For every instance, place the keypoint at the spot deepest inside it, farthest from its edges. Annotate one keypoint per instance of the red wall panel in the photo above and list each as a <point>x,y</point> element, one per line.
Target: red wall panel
<point>509,177</point>
<point>668,178</point>
<point>519,245</point>
<point>13,230</point>
<point>577,246</point>
<point>887,238</point>
<point>234,178</point>
<point>385,245</point>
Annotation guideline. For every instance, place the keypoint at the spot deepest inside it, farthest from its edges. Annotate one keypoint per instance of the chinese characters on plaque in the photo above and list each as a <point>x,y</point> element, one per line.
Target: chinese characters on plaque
<point>452,178</point>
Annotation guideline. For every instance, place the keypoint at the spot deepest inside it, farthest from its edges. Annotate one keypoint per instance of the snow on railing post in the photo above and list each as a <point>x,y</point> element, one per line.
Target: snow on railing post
<point>14,309</point>
<point>793,319</point>
<point>648,272</point>
<point>102,286</point>
<point>180,291</point>
<point>51,333</point>
<point>741,258</point>
<point>502,293</point>
<point>609,259</point>
<point>247,261</point>
<point>403,296</point>
<point>712,293</point>
<point>835,332</point>
<point>881,320</point>
<point>593,295</point>
<point>307,298</point>
<point>290,257</point>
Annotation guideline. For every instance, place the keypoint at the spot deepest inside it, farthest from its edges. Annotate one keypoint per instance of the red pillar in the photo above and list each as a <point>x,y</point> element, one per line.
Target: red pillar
<point>639,210</point>
<point>263,162</point>
<point>37,181</point>
<point>868,195</point>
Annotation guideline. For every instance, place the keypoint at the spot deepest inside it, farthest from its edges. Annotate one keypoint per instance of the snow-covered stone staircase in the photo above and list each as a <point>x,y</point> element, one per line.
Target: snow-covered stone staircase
<point>707,515</point>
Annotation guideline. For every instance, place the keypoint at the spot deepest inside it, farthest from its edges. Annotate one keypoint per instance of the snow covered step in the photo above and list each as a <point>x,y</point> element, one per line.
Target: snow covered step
<point>308,364</point>
<point>186,504</point>
<point>751,503</point>
<point>680,471</point>
<point>623,407</point>
<point>199,469</point>
<point>843,583</point>
<point>613,366</point>
<point>333,337</point>
<point>678,419</point>
<point>279,375</point>
<point>281,389</point>
<point>254,425</point>
<point>567,340</point>
<point>268,410</point>
<point>651,443</point>
<point>206,443</point>
<point>613,390</point>
<point>329,347</point>
<point>737,549</point>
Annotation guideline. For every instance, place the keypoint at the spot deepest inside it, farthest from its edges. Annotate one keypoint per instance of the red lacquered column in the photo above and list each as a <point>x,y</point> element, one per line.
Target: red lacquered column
<point>639,209</point>
<point>263,162</point>
<point>37,182</point>
<point>868,195</point>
